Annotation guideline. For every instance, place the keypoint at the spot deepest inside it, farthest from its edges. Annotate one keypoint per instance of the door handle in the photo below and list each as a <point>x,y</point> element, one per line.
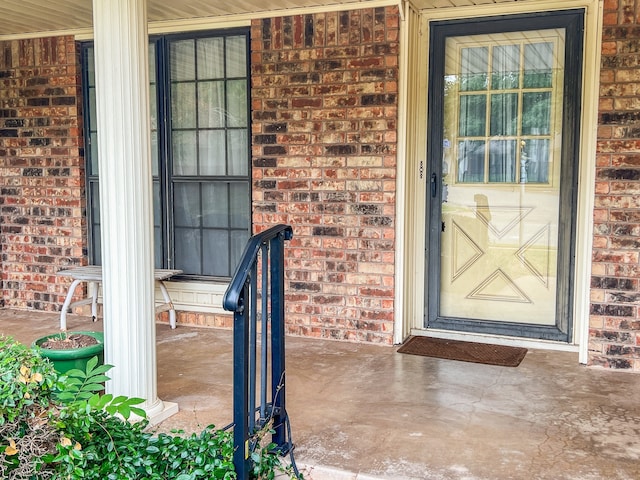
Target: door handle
<point>434,185</point>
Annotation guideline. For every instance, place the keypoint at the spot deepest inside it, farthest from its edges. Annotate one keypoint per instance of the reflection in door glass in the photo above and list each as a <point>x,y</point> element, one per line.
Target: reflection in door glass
<point>474,70</point>
<point>502,165</point>
<point>471,161</point>
<point>499,108</point>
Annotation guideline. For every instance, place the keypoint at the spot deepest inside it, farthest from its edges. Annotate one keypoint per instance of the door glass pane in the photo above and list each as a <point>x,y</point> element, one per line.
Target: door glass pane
<point>474,69</point>
<point>535,158</point>
<point>538,65</point>
<point>536,113</point>
<point>473,115</point>
<point>471,161</point>
<point>502,161</point>
<point>504,114</point>
<point>506,67</point>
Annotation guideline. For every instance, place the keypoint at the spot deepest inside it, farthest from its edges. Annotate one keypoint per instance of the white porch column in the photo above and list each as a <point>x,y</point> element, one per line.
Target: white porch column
<point>126,204</point>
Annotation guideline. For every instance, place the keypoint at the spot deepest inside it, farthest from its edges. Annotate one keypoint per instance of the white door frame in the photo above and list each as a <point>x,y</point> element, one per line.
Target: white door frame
<point>411,201</point>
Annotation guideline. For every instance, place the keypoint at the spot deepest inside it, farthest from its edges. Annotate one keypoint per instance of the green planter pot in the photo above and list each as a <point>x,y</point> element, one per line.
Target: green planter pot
<point>65,360</point>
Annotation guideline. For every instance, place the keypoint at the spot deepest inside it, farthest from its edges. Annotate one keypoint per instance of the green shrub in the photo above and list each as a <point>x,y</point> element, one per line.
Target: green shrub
<point>59,427</point>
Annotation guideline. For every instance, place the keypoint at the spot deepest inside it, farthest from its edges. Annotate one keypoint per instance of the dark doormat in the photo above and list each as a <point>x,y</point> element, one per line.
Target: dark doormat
<point>501,355</point>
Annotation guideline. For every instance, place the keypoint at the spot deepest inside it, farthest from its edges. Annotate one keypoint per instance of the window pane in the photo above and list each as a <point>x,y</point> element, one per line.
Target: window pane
<point>96,250</point>
<point>188,250</point>
<point>154,154</point>
<point>186,205</point>
<point>473,110</point>
<point>210,58</point>
<point>211,108</point>
<point>185,161</point>
<point>208,136</point>
<point>471,161</point>
<point>158,251</point>
<point>157,226</point>
<point>504,114</point>
<point>535,160</point>
<point>215,200</point>
<point>502,161</point>
<point>236,57</point>
<point>157,205</point>
<point>212,152</point>
<point>237,103</point>
<point>506,67</point>
<point>152,64</point>
<point>153,107</point>
<point>91,69</point>
<point>538,65</point>
<point>183,105</point>
<point>238,240</point>
<point>93,166</point>
<point>97,246</point>
<point>238,152</point>
<point>474,68</point>
<point>216,253</point>
<point>93,134</point>
<point>536,113</point>
<point>182,60</point>
<point>95,202</point>
<point>240,208</point>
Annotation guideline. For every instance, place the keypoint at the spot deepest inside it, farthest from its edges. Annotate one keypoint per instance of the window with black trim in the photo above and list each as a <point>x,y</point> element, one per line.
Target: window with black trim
<point>199,89</point>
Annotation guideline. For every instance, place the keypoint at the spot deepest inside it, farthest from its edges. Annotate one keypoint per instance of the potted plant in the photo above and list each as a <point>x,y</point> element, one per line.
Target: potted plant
<point>69,350</point>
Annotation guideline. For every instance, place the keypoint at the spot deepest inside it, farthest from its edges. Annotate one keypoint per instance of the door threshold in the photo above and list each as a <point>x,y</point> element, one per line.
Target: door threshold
<point>496,340</point>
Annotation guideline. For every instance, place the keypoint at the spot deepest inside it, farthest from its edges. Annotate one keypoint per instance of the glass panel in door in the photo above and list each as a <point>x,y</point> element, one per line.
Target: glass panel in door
<point>501,176</point>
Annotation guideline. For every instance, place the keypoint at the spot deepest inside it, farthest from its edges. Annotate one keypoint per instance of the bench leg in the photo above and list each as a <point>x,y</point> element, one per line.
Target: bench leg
<point>66,304</point>
<point>93,291</point>
<point>167,300</point>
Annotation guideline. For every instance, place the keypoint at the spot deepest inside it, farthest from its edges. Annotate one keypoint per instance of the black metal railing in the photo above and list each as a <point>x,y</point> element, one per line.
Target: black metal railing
<point>256,298</point>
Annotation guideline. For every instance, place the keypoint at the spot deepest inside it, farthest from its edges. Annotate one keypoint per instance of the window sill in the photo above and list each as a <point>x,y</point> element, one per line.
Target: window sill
<point>197,296</point>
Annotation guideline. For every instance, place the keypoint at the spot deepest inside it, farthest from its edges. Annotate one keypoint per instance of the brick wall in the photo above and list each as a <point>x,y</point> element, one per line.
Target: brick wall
<point>41,170</point>
<point>615,294</point>
<point>324,99</point>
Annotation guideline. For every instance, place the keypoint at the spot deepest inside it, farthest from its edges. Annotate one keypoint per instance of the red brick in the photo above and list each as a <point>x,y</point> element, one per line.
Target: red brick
<point>50,189</point>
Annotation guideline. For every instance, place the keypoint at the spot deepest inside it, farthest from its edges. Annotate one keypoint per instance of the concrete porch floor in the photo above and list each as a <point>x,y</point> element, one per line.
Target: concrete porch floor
<point>365,411</point>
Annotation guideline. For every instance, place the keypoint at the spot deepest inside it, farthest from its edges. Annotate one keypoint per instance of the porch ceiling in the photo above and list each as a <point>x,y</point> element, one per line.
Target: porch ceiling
<point>28,17</point>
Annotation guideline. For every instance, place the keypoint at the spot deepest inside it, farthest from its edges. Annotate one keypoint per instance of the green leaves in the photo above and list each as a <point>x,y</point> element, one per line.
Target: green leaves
<point>26,379</point>
<point>88,435</point>
<point>77,385</point>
